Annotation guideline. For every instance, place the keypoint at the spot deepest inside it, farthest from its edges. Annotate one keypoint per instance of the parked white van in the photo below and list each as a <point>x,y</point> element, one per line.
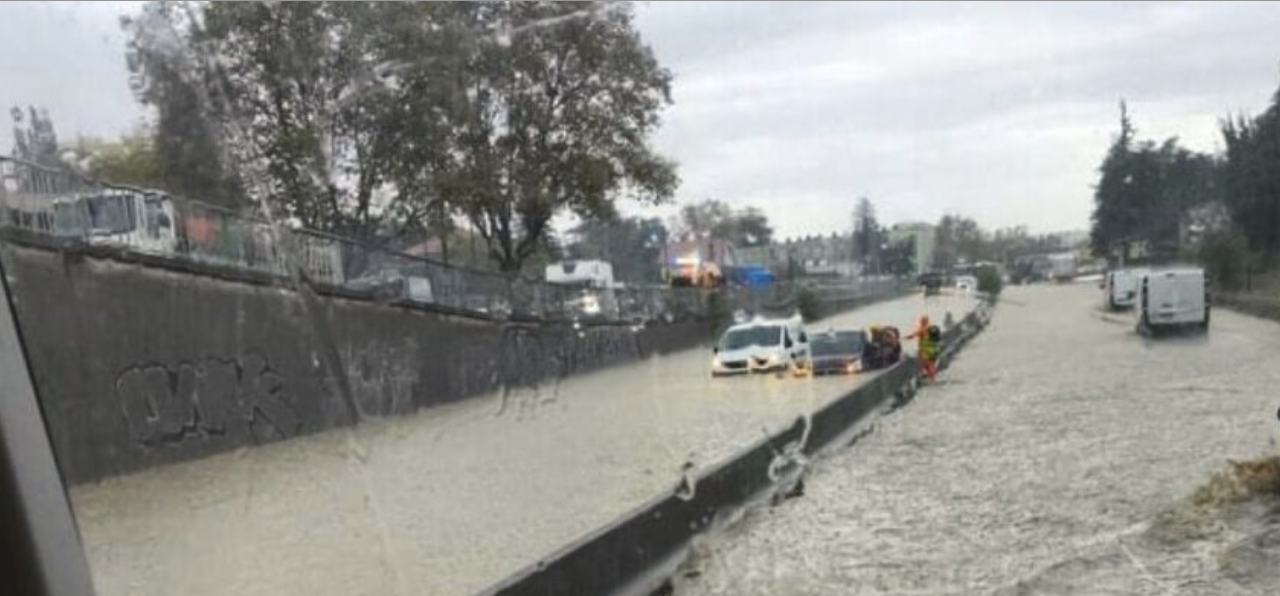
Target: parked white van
<point>763,345</point>
<point>1120,288</point>
<point>1169,298</point>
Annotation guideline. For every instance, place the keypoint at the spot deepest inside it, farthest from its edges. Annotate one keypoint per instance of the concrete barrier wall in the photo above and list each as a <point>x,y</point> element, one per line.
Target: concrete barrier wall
<point>636,553</point>
<point>137,366</point>
<point>140,363</point>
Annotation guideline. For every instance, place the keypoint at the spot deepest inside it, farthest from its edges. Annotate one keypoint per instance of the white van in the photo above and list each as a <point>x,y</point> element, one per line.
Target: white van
<point>1169,298</point>
<point>763,345</point>
<point>1120,288</point>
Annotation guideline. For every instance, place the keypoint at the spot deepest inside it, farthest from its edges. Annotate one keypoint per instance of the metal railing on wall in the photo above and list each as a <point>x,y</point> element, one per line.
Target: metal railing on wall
<point>74,210</point>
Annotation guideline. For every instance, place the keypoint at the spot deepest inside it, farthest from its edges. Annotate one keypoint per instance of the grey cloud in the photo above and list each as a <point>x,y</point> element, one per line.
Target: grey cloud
<point>999,111</point>
<point>69,58</point>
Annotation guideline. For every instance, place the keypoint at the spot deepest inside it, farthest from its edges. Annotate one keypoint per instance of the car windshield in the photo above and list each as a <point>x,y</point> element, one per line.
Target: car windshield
<point>758,335</point>
<point>109,214</point>
<point>834,345</point>
<point>526,297</point>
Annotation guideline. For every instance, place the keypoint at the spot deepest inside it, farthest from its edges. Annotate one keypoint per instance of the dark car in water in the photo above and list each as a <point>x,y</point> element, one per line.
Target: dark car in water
<point>838,352</point>
<point>931,281</point>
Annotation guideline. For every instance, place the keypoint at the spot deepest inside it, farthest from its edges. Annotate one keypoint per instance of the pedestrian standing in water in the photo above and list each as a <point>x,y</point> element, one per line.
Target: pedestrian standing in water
<point>927,340</point>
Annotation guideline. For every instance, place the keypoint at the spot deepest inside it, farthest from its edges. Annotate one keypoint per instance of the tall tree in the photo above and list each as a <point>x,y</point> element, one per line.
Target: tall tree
<point>165,76</point>
<point>632,245</point>
<point>867,234</point>
<point>956,239</point>
<point>746,227</point>
<point>1113,216</point>
<point>557,104</point>
<point>1144,189</point>
<point>1252,176</point>
<point>311,101</point>
<point>131,160</point>
<point>374,119</point>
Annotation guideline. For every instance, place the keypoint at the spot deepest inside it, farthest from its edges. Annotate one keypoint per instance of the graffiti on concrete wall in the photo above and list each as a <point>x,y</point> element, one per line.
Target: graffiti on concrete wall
<point>382,376</point>
<point>167,404</point>
<point>532,361</point>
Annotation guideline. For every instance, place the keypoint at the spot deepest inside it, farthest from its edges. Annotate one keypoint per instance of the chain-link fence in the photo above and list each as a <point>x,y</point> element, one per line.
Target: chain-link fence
<point>60,206</point>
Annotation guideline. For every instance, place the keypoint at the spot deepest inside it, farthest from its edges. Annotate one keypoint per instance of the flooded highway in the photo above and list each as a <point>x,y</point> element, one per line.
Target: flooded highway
<point>449,500</point>
<point>1060,454</point>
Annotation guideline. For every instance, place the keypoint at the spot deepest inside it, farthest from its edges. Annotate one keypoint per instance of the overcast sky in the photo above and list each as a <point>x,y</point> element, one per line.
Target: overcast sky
<point>1000,112</point>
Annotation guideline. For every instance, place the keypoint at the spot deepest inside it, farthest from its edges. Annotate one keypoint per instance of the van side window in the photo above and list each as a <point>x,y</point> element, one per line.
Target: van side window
<point>804,339</point>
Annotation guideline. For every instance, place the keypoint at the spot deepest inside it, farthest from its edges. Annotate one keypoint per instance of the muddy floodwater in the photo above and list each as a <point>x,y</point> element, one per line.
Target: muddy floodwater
<point>449,500</point>
<point>1061,454</point>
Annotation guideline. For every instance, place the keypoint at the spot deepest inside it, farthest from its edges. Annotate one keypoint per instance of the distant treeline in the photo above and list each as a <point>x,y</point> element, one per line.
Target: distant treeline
<point>1162,202</point>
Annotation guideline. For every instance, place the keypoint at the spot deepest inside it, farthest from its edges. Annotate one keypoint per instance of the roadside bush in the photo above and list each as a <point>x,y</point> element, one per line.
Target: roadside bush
<point>808,304</point>
<point>1225,257</point>
<point>989,281</point>
<point>719,315</point>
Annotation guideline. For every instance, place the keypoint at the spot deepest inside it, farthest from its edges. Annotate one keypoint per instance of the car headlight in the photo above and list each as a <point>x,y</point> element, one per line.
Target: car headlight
<point>715,362</point>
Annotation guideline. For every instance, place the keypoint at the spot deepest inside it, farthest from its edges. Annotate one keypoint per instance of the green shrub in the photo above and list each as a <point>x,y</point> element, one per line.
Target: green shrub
<point>989,280</point>
<point>719,314</point>
<point>1225,257</point>
<point>808,304</point>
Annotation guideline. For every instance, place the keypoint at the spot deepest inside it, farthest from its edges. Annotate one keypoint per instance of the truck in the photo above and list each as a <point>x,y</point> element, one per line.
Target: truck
<point>1173,298</point>
<point>590,290</point>
<point>1062,267</point>
<point>141,221</point>
<point>697,262</point>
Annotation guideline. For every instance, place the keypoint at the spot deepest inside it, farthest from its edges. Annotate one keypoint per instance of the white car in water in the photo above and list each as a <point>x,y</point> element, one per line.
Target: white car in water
<point>763,345</point>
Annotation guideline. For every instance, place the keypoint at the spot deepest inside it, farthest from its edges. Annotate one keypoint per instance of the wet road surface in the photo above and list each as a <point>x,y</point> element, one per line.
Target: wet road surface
<point>447,501</point>
<point>1060,454</point>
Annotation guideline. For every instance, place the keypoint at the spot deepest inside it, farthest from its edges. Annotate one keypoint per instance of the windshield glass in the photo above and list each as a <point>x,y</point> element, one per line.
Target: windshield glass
<point>109,214</point>
<point>759,335</point>
<point>468,298</point>
<point>832,345</point>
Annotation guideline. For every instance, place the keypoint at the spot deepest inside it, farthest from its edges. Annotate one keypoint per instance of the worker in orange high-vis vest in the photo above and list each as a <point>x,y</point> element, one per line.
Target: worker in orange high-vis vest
<point>927,345</point>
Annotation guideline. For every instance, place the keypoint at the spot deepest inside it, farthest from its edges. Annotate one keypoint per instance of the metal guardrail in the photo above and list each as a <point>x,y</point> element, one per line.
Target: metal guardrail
<point>74,210</point>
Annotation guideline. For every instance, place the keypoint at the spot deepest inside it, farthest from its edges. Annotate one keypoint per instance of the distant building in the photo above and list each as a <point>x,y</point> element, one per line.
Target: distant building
<point>809,255</point>
<point>822,255</point>
<point>922,236</point>
<point>770,255</point>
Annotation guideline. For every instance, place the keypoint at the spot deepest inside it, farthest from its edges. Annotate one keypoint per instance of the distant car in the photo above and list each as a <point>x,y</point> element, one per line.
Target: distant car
<point>931,281</point>
<point>967,284</point>
<point>763,345</point>
<point>838,352</point>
